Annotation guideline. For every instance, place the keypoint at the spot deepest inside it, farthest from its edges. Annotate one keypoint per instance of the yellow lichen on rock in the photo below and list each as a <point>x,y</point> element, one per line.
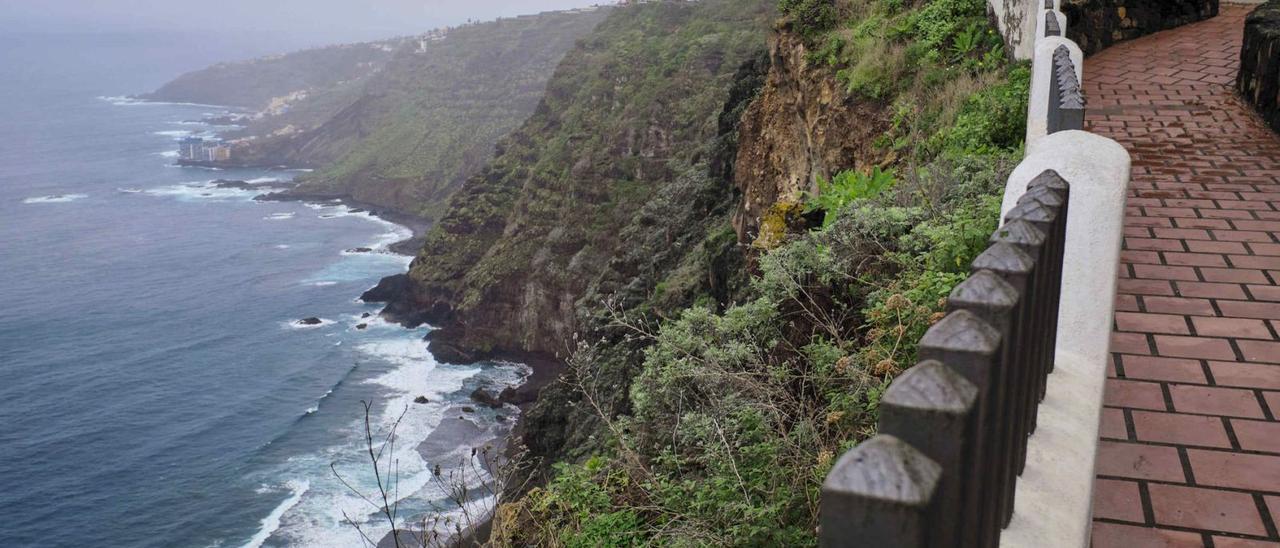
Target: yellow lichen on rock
<point>774,223</point>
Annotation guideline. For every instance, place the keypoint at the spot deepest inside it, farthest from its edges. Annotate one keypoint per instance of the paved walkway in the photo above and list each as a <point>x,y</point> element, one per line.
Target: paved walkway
<point>1190,451</point>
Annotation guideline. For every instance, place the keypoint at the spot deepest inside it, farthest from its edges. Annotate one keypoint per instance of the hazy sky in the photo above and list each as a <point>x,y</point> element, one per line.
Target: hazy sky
<point>327,20</point>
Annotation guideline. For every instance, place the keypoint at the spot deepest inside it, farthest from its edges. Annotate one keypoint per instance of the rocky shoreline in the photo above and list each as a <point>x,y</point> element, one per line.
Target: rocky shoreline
<point>395,292</point>
<point>457,432</point>
<point>417,225</point>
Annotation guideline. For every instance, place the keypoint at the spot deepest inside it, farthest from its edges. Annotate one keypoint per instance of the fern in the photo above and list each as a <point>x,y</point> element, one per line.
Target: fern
<point>844,189</point>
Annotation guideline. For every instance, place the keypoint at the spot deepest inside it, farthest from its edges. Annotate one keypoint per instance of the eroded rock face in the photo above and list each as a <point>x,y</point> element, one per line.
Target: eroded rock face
<point>1259,79</point>
<point>802,126</point>
<point>1097,24</point>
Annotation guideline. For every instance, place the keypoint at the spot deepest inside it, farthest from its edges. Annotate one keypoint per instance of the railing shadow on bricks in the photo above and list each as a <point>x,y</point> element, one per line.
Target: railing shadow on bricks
<point>954,430</point>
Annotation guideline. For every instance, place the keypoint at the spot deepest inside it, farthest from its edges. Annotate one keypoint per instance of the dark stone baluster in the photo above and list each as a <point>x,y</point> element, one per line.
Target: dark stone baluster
<point>991,298</point>
<point>931,408</point>
<point>969,345</point>
<point>1030,240</point>
<point>1068,98</point>
<point>880,493</point>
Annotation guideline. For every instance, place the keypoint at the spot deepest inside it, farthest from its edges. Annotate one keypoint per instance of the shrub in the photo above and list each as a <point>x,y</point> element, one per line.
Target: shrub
<point>810,18</point>
<point>846,188</point>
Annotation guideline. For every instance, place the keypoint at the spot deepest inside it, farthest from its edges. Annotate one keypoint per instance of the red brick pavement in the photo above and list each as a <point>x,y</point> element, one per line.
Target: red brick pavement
<point>1190,450</point>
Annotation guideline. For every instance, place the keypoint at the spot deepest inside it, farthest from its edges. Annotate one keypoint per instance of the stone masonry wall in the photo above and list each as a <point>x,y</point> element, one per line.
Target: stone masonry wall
<point>1096,24</point>
<point>1259,80</point>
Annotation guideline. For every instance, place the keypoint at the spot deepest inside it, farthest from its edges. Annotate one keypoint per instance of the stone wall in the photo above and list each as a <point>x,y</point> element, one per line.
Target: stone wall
<point>1096,24</point>
<point>1259,80</point>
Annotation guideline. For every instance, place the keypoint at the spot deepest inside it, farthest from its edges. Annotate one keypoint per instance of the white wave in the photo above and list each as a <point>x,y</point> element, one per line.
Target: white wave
<point>374,321</point>
<point>283,246</point>
<point>395,232</point>
<point>205,190</point>
<point>279,216</point>
<point>322,284</point>
<point>168,154</point>
<point>272,522</point>
<point>173,133</point>
<point>55,199</point>
<point>324,517</point>
<point>263,180</point>
<point>127,101</point>
<point>129,190</point>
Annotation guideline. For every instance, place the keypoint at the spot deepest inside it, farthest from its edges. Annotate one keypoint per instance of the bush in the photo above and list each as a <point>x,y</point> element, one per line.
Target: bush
<point>737,416</point>
<point>739,409</point>
<point>846,188</point>
<point>810,18</point>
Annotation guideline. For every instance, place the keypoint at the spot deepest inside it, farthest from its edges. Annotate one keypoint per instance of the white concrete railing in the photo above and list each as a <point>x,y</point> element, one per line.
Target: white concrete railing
<point>1054,496</point>
<point>991,439</point>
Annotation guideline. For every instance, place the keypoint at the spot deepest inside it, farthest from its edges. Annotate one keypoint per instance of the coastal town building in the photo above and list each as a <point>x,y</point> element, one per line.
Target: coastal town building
<point>196,149</point>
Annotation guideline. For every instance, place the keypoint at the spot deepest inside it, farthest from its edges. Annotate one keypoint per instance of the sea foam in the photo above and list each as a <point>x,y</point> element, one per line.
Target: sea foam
<point>55,199</point>
<point>272,522</point>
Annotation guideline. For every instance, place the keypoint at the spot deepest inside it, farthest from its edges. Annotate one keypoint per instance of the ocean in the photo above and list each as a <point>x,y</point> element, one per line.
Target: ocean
<point>155,388</point>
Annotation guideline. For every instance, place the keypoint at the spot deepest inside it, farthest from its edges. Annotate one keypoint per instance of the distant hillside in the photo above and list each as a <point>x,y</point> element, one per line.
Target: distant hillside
<point>254,84</point>
<point>431,117</point>
<point>399,124</point>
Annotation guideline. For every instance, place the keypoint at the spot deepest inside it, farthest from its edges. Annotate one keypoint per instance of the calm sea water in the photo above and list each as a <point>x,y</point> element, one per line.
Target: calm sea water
<point>153,388</point>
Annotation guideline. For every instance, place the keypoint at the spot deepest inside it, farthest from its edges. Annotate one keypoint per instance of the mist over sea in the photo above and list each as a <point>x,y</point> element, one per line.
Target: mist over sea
<point>154,389</point>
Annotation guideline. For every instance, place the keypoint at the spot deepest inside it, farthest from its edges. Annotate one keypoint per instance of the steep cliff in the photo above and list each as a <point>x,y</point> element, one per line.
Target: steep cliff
<point>735,333</point>
<point>614,161</point>
<point>805,125</point>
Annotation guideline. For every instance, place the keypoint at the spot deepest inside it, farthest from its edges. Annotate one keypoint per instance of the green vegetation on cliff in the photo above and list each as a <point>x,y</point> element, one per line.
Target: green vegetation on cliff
<point>609,182</point>
<point>706,400</point>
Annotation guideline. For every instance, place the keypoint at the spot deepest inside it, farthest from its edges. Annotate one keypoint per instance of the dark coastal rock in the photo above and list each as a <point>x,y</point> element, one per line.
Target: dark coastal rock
<point>227,183</point>
<point>398,292</point>
<point>390,288</point>
<point>468,409</point>
<point>483,397</point>
<point>360,250</point>
<point>520,395</point>
<point>362,326</point>
<point>366,315</point>
<point>421,399</point>
<point>1259,78</point>
<point>1097,24</point>
<point>310,321</point>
